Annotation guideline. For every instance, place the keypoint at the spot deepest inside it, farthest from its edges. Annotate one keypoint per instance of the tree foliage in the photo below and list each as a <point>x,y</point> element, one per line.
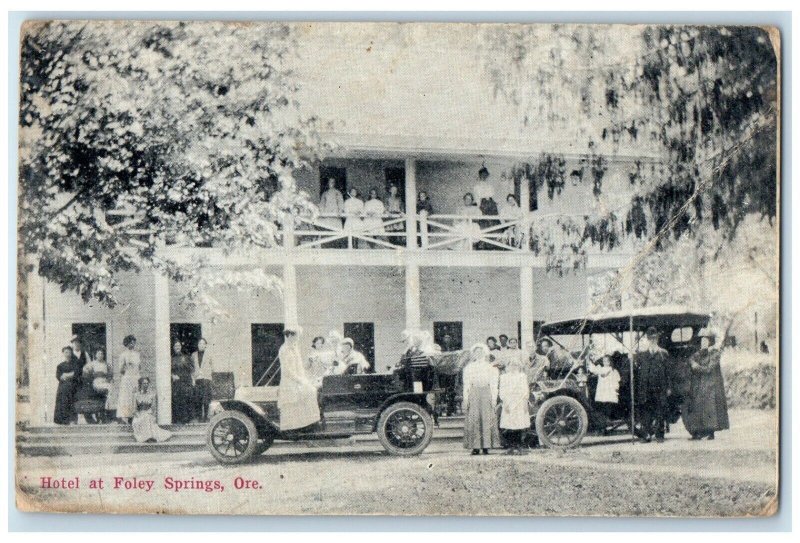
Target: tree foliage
<point>143,135</point>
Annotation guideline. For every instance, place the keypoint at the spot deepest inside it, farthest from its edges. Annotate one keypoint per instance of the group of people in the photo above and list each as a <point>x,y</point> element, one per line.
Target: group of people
<point>95,391</point>
<point>356,215</point>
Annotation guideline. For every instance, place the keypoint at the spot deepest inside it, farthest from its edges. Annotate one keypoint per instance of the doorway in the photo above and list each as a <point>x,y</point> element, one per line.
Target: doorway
<point>93,337</point>
<point>188,333</point>
<point>449,335</point>
<point>266,339</point>
<point>338,174</point>
<point>363,336</point>
<point>396,176</point>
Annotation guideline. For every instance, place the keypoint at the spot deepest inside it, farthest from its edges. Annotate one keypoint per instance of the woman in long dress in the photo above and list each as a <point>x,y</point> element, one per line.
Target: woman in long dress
<point>112,396</point>
<point>510,212</point>
<point>182,388</point>
<point>468,227</point>
<point>68,375</point>
<point>331,206</point>
<point>705,410</point>
<point>373,216</point>
<point>297,396</point>
<point>514,392</point>
<point>145,425</point>
<point>353,210</point>
<point>481,380</point>
<point>90,399</point>
<point>129,363</point>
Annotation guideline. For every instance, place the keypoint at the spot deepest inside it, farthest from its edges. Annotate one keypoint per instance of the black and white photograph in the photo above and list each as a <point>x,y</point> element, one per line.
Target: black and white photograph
<point>398,268</point>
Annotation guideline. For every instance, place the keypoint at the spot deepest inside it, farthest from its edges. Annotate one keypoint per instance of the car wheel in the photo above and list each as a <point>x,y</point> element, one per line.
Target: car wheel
<point>232,437</point>
<point>561,422</point>
<point>405,429</point>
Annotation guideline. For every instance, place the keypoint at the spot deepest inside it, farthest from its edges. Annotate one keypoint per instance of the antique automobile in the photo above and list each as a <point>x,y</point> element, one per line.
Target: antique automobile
<point>398,407</point>
<point>562,405</point>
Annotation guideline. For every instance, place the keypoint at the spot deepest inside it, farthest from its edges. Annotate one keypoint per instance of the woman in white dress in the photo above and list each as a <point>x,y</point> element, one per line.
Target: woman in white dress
<point>373,216</point>
<point>331,206</point>
<point>318,361</point>
<point>607,394</point>
<point>514,392</point>
<point>481,381</point>
<point>354,211</point>
<point>145,425</point>
<point>297,395</point>
<point>129,362</point>
<point>469,227</point>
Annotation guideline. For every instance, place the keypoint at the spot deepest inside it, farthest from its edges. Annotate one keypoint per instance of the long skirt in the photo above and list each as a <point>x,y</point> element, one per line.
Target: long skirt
<point>183,401</point>
<point>65,404</point>
<point>480,423</point>
<point>705,408</point>
<point>145,427</point>
<point>297,404</point>
<point>126,404</point>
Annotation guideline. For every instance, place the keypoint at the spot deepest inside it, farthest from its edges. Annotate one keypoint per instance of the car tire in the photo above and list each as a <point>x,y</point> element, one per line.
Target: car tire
<point>561,422</point>
<point>232,438</point>
<point>405,429</point>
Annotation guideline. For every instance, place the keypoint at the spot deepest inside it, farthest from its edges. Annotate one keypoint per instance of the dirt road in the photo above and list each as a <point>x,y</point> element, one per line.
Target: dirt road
<point>731,476</point>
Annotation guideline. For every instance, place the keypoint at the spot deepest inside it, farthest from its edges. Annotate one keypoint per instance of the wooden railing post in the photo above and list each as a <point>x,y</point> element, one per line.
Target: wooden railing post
<point>288,231</point>
<point>423,229</point>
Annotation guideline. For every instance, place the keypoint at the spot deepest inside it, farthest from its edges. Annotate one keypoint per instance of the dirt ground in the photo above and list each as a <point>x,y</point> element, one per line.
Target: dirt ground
<point>734,475</point>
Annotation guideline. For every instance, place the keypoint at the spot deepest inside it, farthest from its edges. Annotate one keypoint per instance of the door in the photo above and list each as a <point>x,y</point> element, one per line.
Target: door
<point>363,336</point>
<point>449,335</point>
<point>93,336</point>
<point>266,339</point>
<point>397,177</point>
<point>338,174</point>
<point>188,333</point>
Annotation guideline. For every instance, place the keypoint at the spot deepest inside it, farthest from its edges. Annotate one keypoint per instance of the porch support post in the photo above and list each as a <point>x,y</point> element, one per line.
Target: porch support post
<point>35,354</point>
<point>289,295</point>
<point>526,305</point>
<point>411,203</point>
<point>162,348</point>
<point>413,318</point>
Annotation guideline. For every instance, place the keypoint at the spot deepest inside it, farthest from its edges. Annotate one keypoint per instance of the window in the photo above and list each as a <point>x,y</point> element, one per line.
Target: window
<point>682,335</point>
<point>93,336</point>
<point>397,177</point>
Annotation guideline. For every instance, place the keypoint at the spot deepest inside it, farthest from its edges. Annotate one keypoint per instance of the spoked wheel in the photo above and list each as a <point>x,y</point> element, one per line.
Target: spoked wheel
<point>405,429</point>
<point>232,437</point>
<point>561,422</point>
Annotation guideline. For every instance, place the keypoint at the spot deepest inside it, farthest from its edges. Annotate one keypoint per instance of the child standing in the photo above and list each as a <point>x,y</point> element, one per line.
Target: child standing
<point>514,418</point>
<point>608,378</point>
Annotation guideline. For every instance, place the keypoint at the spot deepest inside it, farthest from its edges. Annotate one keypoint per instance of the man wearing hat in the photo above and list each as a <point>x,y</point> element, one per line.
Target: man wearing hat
<point>652,387</point>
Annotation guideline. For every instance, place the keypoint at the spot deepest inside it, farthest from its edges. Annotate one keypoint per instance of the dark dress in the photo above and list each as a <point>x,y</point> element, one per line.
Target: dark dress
<point>651,382</point>
<point>65,394</point>
<point>182,389</point>
<point>705,409</point>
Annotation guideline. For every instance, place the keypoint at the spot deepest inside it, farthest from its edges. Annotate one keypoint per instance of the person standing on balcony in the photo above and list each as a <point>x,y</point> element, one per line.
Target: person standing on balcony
<point>395,208</point>
<point>511,212</point>
<point>424,209</point>
<point>331,206</point>
<point>354,211</point>
<point>484,192</point>
<point>373,216</point>
<point>468,226</point>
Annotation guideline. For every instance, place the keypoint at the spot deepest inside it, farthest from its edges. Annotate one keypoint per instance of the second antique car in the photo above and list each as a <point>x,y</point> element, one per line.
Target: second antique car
<point>562,405</point>
<point>398,407</point>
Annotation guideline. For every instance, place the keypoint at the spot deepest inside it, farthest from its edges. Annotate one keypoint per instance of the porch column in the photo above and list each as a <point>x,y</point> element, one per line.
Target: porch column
<point>289,295</point>
<point>35,355</point>
<point>526,305</point>
<point>525,206</point>
<point>162,348</point>
<point>413,319</point>
<point>411,203</point>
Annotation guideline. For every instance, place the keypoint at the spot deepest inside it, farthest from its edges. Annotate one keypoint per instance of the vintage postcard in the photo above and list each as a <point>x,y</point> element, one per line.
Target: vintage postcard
<point>398,269</point>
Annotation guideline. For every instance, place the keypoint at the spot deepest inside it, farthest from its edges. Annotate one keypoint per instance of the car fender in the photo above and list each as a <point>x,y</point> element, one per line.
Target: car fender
<point>419,398</point>
<point>254,411</point>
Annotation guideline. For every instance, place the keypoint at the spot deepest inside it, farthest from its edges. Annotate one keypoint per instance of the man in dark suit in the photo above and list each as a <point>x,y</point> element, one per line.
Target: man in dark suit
<point>78,353</point>
<point>652,387</point>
